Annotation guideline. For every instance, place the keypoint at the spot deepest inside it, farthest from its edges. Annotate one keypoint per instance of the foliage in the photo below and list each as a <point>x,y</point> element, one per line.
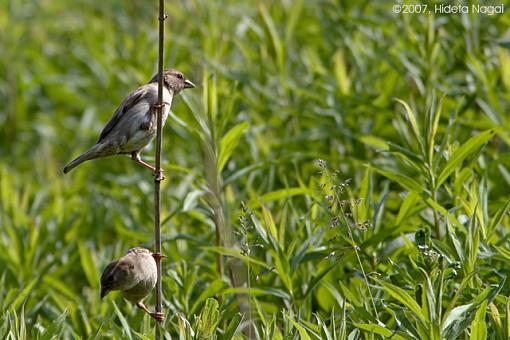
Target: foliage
<point>400,230</point>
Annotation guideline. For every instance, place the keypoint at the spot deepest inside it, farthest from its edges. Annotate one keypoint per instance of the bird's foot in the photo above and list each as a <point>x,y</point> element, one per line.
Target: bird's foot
<point>158,256</point>
<point>158,175</point>
<point>158,316</point>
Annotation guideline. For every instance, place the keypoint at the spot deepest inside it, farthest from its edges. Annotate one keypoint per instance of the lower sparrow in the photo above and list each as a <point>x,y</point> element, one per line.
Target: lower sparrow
<point>135,275</point>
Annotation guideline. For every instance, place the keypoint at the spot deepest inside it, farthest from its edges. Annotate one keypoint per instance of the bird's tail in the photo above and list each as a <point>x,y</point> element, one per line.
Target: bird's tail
<point>93,152</point>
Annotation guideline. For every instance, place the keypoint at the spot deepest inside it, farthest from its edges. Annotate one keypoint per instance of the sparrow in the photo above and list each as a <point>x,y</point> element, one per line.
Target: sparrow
<point>135,275</point>
<point>134,124</point>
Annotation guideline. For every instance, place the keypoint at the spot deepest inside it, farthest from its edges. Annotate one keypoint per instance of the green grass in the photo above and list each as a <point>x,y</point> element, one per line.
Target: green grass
<point>400,231</point>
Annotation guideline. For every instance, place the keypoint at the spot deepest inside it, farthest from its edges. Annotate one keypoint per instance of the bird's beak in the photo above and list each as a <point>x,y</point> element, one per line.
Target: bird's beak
<point>104,292</point>
<point>188,84</point>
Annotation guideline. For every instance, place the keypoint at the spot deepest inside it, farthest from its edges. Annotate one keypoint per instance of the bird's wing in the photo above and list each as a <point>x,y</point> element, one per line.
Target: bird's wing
<point>130,101</point>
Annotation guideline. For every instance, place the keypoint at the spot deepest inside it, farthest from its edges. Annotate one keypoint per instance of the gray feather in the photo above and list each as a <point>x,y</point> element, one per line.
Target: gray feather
<point>93,152</point>
<point>134,98</point>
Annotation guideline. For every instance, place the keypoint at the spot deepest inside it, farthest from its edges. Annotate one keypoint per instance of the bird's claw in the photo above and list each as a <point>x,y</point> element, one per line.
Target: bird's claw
<point>158,316</point>
<point>158,175</point>
<point>158,256</point>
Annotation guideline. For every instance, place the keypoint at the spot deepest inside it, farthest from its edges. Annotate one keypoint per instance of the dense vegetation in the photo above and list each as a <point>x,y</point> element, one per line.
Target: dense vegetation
<point>354,161</point>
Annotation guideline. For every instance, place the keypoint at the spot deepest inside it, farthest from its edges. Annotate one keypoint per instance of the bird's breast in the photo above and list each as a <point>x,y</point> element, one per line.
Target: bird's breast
<point>145,276</point>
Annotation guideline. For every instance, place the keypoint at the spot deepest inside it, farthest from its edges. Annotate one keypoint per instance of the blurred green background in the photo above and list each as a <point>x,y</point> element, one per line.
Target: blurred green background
<point>319,251</point>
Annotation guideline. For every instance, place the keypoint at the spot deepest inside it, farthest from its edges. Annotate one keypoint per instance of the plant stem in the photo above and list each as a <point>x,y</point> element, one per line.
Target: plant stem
<point>355,246</point>
<point>157,175</point>
<point>437,225</point>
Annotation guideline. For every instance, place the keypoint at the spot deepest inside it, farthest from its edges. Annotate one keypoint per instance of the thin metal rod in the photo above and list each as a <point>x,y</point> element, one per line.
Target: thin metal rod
<point>158,176</point>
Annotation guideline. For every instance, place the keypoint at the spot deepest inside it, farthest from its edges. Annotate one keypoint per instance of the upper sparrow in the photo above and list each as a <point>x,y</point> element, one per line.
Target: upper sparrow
<point>134,123</point>
<point>135,275</point>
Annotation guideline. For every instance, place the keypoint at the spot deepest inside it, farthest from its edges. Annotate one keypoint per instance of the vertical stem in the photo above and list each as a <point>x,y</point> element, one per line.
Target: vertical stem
<point>355,247</point>
<point>218,224</point>
<point>437,224</point>
<point>158,177</point>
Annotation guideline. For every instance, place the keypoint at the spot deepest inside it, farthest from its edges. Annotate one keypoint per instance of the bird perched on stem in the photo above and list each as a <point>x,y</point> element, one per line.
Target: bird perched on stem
<point>135,275</point>
<point>134,123</point>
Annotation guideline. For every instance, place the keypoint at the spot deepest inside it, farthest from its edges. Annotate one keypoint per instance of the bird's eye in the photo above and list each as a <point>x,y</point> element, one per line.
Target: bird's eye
<point>180,76</point>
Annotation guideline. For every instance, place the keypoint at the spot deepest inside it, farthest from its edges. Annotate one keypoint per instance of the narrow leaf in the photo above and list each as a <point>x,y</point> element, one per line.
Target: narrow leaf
<point>411,118</point>
<point>478,326</point>
<point>404,298</point>
<point>467,149</point>
<point>229,142</point>
<point>377,329</point>
<point>88,265</point>
<point>303,335</point>
<point>232,327</point>
<point>403,180</point>
<point>236,253</point>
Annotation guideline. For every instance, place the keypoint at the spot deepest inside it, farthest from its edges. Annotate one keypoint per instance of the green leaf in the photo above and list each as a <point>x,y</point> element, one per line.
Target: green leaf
<point>212,289</point>
<point>507,321</point>
<point>229,142</point>
<point>460,317</point>
<point>478,326</point>
<point>325,333</point>
<point>259,228</point>
<point>404,298</point>
<point>279,53</point>
<point>408,204</point>
<point>277,195</point>
<point>438,207</point>
<point>349,295</point>
<point>318,278</point>
<point>363,210</point>
<point>377,329</point>
<point>303,334</point>
<point>409,156</point>
<point>55,329</point>
<point>232,327</point>
<point>282,265</point>
<point>504,252</point>
<point>185,330</point>
<point>208,319</point>
<point>497,217</point>
<point>123,321</point>
<point>141,336</point>
<point>403,180</point>
<point>22,296</point>
<point>468,148</point>
<point>191,200</point>
<point>340,72</point>
<point>269,222</point>
<point>236,253</point>
<point>61,287</point>
<point>88,265</point>
<point>374,141</point>
<point>432,126</point>
<point>411,118</point>
<point>259,291</point>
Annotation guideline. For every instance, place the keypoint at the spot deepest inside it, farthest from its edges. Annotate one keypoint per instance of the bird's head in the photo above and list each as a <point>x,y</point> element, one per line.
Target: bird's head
<point>174,81</point>
<point>117,276</point>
